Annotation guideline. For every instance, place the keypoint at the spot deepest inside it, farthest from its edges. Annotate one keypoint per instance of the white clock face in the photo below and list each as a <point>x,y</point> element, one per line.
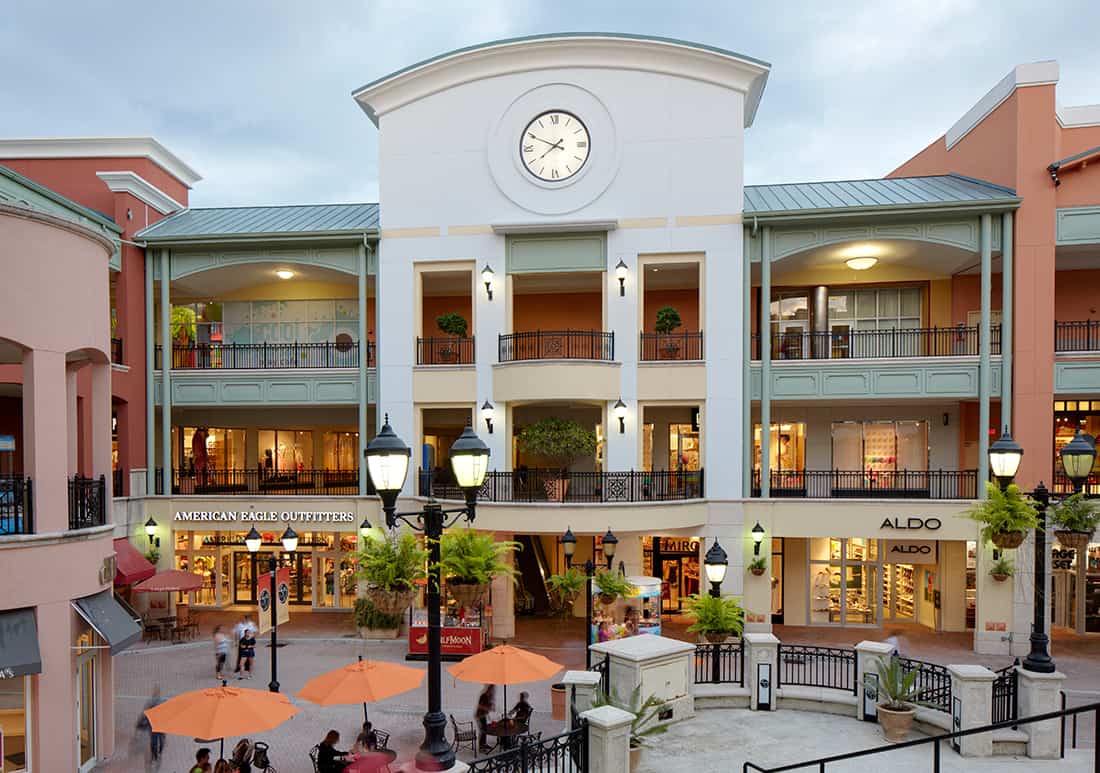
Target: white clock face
<point>554,146</point>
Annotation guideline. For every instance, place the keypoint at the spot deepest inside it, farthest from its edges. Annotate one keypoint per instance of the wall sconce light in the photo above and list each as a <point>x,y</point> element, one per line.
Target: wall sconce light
<point>487,278</point>
<point>620,414</point>
<point>150,529</point>
<point>487,414</point>
<point>620,272</point>
<point>757,538</point>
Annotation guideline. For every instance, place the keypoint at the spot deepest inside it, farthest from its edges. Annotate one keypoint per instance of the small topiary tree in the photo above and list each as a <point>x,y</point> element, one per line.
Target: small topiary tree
<point>452,324</point>
<point>668,319</point>
<point>562,441</point>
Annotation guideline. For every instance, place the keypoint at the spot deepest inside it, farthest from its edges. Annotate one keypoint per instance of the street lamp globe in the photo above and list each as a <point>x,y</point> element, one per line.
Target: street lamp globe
<point>569,546</point>
<point>716,562</point>
<point>469,460</point>
<point>757,538</point>
<point>150,527</point>
<point>253,540</point>
<point>1004,458</point>
<point>610,543</point>
<point>388,463</point>
<point>364,528</point>
<point>1078,456</point>
<point>290,540</point>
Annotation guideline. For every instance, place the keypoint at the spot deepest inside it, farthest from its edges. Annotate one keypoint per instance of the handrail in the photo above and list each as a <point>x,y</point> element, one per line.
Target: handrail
<point>821,762</point>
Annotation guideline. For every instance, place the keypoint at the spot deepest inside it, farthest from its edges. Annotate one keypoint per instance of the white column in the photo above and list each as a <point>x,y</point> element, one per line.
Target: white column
<point>491,320</point>
<point>723,413</point>
<point>765,363</point>
<point>608,739</point>
<point>761,649</point>
<point>166,374</point>
<point>868,656</point>
<point>984,366</point>
<point>973,687</point>
<point>580,690</point>
<point>1041,694</point>
<point>396,341</point>
<point>622,449</point>
<point>364,360</point>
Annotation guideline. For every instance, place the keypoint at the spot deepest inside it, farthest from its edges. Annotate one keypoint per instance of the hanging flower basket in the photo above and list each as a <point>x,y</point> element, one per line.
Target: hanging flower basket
<point>716,637</point>
<point>1007,540</point>
<point>1073,540</point>
<point>757,570</point>
<point>607,599</point>
<point>390,602</point>
<point>466,595</point>
<point>1000,577</point>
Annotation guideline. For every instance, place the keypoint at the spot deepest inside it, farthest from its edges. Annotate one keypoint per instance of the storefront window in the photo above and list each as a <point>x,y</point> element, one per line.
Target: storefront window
<point>880,446</point>
<point>208,448</point>
<point>1070,416</point>
<point>787,447</point>
<point>283,451</point>
<point>844,581</point>
<point>790,324</point>
<point>13,721</point>
<point>341,450</point>
<point>683,447</point>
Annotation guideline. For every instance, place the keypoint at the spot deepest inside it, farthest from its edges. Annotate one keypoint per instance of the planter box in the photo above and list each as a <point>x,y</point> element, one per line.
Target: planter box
<point>379,633</point>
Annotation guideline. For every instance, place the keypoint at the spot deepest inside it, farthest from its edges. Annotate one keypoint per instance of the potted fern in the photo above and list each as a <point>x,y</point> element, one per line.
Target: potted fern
<point>716,618</point>
<point>668,319</point>
<point>566,587</point>
<point>1076,520</point>
<point>373,624</point>
<point>560,441</point>
<point>612,585</point>
<point>758,566</point>
<point>1006,516</point>
<point>899,690</point>
<point>452,324</point>
<point>1001,570</point>
<point>646,713</point>
<point>391,563</point>
<point>468,562</point>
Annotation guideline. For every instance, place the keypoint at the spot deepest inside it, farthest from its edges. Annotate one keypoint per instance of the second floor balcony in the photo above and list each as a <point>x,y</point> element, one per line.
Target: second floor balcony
<point>87,502</point>
<point>215,482</point>
<point>555,487</point>
<point>266,356</point>
<point>673,347</point>
<point>842,344</point>
<point>16,505</point>
<point>870,484</point>
<point>1077,336</point>
<point>557,345</point>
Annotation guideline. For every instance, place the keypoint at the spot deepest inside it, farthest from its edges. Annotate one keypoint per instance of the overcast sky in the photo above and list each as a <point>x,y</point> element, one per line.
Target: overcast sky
<point>255,95</point>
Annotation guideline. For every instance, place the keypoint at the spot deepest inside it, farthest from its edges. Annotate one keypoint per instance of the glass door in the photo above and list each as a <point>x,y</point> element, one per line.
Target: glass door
<point>301,579</point>
<point>245,571</point>
<point>898,600</point>
<point>86,711</point>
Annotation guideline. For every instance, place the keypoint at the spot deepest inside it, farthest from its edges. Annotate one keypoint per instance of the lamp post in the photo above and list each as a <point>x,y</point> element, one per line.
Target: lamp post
<point>388,465</point>
<point>569,547</point>
<point>150,529</point>
<point>757,538</point>
<point>715,562</point>
<point>1077,458</point>
<point>290,544</point>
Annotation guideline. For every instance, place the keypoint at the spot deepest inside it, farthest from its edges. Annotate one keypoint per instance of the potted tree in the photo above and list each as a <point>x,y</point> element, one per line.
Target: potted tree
<point>758,566</point>
<point>1006,516</point>
<point>452,324</point>
<point>560,441</point>
<point>566,587</point>
<point>468,562</point>
<point>1001,570</point>
<point>716,619</point>
<point>898,690</point>
<point>391,563</point>
<point>646,713</point>
<point>373,624</point>
<point>1076,520</point>
<point>668,319</point>
<point>612,585</point>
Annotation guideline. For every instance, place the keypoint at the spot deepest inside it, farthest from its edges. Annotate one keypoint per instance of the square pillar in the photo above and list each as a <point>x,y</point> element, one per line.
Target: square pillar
<point>100,411</point>
<point>868,655</point>
<point>1040,694</point>
<point>45,431</point>
<point>662,668</point>
<point>761,669</point>
<point>972,696</point>
<point>580,691</point>
<point>608,739</point>
<point>72,418</point>
<point>502,591</point>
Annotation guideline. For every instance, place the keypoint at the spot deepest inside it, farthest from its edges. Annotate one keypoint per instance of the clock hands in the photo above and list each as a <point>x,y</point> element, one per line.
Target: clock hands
<point>556,146</point>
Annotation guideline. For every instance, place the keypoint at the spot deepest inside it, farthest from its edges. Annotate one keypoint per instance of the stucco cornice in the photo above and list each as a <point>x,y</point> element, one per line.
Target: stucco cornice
<point>58,222</point>
<point>559,52</point>
<point>140,188</point>
<point>101,147</point>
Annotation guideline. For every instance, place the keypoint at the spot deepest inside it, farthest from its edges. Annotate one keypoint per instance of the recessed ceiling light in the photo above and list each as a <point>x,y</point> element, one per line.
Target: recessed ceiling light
<point>861,264</point>
<point>286,273</point>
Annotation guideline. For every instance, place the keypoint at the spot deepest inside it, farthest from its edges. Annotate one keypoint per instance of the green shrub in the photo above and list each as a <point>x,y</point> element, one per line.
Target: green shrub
<point>391,560</point>
<point>612,583</point>
<point>1076,514</point>
<point>562,441</point>
<point>474,557</point>
<point>367,616</point>
<point>1003,511</point>
<point>453,324</point>
<point>668,319</point>
<point>1002,566</point>
<point>716,615</point>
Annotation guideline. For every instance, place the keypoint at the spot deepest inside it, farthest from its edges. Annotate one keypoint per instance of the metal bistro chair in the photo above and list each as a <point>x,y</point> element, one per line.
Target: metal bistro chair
<point>383,739</point>
<point>465,735</point>
<point>313,753</point>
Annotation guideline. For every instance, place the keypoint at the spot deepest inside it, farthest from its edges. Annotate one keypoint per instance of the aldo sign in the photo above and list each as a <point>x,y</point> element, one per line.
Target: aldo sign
<point>910,551</point>
<point>932,524</point>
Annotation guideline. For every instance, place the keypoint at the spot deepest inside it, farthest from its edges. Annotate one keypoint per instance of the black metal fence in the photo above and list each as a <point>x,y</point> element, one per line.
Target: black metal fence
<point>810,666</point>
<point>16,505</point>
<point>116,351</point>
<point>933,683</point>
<point>565,753</point>
<point>275,483</point>
<point>217,356</point>
<point>873,484</point>
<point>87,502</point>
<point>670,346</point>
<point>1006,704</point>
<point>539,485</point>
<point>603,668</point>
<point>720,663</point>
<point>1077,336</point>
<point>444,351</point>
<point>957,341</point>
<point>555,345</point>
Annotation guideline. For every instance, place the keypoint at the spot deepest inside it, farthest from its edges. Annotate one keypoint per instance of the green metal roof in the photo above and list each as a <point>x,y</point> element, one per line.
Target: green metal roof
<point>255,222</point>
<point>24,191</point>
<point>837,196</point>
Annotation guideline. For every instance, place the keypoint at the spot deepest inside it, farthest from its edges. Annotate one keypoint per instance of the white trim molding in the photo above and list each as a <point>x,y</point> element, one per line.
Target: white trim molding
<point>102,147</point>
<point>140,188</point>
<point>1031,74</point>
<point>1077,116</point>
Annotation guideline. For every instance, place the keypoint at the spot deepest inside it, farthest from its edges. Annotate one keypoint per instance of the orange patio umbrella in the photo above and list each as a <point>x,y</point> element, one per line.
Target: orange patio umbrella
<point>360,682</point>
<point>505,665</point>
<point>170,581</point>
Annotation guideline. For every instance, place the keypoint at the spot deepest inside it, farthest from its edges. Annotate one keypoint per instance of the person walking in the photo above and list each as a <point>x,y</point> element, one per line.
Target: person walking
<point>221,651</point>
<point>486,702</point>
<point>248,652</point>
<point>156,740</point>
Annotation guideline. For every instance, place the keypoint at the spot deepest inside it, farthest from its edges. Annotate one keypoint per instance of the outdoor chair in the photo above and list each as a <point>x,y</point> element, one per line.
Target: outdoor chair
<point>465,735</point>
<point>313,753</point>
<point>383,739</point>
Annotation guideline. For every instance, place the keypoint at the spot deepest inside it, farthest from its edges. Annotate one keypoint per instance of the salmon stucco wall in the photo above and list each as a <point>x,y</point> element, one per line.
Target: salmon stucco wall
<point>1075,295</point>
<point>437,305</point>
<point>684,301</point>
<point>557,311</point>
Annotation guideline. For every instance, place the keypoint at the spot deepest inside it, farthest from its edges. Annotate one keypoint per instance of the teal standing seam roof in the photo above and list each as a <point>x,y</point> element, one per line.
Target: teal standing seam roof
<point>884,193</point>
<point>264,221</point>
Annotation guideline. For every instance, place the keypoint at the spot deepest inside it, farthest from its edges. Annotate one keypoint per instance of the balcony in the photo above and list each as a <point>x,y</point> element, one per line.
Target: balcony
<point>445,351</point>
<point>291,483</point>
<point>16,505</point>
<point>557,345</point>
<point>265,356</point>
<point>540,485</point>
<point>1063,487</point>
<point>673,347</point>
<point>1077,336</point>
<point>871,484</point>
<point>959,341</point>
<point>87,502</point>
<point>116,351</point>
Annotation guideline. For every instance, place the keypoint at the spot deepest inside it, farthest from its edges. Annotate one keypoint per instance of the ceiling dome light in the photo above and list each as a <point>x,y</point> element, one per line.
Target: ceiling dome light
<point>284,273</point>
<point>861,264</point>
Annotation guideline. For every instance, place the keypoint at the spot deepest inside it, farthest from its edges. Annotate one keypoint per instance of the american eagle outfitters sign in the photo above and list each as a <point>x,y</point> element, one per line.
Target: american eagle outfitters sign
<point>256,516</point>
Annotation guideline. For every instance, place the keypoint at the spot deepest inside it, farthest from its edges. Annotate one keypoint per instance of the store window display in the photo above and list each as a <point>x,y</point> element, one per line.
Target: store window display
<point>14,694</point>
<point>844,581</point>
<point>285,451</point>
<point>786,447</point>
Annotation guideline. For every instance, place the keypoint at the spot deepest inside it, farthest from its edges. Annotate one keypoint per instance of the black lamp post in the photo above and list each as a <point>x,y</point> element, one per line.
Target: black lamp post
<point>290,543</point>
<point>715,562</point>
<point>388,464</point>
<point>569,547</point>
<point>1077,458</point>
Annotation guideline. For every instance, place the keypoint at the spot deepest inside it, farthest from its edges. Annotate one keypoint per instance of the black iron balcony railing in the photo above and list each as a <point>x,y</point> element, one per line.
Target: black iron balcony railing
<point>273,482</point>
<point>444,351</point>
<point>265,356</point>
<point>557,344</point>
<point>1077,336</point>
<point>670,346</point>
<point>535,485</point>
<point>87,502</point>
<point>116,351</point>
<point>958,341</point>
<point>16,505</point>
<point>871,484</point>
<point>1062,485</point>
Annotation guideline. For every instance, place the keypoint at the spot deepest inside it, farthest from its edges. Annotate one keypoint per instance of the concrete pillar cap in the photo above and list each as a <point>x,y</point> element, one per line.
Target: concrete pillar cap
<point>608,717</point>
<point>875,647</point>
<point>581,677</point>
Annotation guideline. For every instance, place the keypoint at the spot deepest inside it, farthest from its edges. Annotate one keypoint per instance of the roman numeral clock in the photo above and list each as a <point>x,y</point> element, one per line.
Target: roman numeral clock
<point>554,145</point>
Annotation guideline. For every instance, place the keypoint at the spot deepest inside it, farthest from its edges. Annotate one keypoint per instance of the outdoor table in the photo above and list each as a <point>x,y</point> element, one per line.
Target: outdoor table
<point>506,730</point>
<point>371,761</point>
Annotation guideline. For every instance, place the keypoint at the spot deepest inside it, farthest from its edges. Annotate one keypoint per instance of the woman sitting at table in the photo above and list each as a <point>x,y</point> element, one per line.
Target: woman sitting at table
<point>366,741</point>
<point>329,758</point>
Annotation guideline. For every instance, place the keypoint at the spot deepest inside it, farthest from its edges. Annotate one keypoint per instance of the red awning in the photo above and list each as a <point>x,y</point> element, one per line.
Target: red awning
<point>170,581</point>
<point>132,566</point>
